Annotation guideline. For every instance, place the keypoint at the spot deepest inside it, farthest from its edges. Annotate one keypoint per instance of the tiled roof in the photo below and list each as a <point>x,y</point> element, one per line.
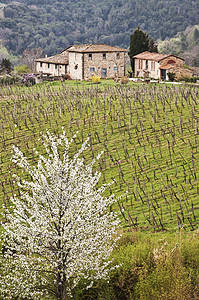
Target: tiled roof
<point>56,59</point>
<point>154,56</point>
<point>94,48</point>
<point>151,56</point>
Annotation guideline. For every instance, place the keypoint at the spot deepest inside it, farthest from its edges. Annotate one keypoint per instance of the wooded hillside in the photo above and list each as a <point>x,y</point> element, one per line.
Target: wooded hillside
<point>185,44</point>
<point>54,25</point>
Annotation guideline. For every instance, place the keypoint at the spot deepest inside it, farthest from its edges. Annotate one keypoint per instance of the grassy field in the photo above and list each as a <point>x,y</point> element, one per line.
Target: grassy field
<point>149,134</point>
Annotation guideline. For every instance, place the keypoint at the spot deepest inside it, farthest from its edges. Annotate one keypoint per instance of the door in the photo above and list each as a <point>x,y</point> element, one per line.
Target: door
<point>104,72</point>
<point>66,69</point>
<point>163,74</point>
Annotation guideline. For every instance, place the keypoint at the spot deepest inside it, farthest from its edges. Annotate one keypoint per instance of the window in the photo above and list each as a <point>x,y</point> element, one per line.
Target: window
<point>118,55</point>
<point>90,56</point>
<point>115,69</point>
<point>48,66</point>
<point>140,63</point>
<point>147,64</point>
<point>56,66</point>
<point>171,62</point>
<point>92,69</point>
<point>152,66</point>
<point>104,56</point>
<point>40,64</point>
<point>76,67</point>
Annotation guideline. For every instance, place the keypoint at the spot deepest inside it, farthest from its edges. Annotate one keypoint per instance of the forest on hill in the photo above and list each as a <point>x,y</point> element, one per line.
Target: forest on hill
<point>185,44</point>
<point>54,25</point>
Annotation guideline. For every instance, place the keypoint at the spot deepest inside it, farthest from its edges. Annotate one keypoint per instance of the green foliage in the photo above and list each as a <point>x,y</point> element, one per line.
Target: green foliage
<point>139,42</point>
<point>6,66</point>
<point>10,79</point>
<point>189,79</point>
<point>196,34</point>
<point>149,134</point>
<point>54,25</point>
<point>171,76</point>
<point>22,69</point>
<point>184,44</point>
<point>148,137</point>
<point>151,268</point>
<point>152,46</point>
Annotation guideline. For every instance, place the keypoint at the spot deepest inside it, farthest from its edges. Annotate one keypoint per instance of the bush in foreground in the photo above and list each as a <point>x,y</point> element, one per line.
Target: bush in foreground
<point>151,269</point>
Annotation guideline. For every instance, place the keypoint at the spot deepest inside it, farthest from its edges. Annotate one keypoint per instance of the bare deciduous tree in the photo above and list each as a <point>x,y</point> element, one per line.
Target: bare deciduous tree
<point>29,56</point>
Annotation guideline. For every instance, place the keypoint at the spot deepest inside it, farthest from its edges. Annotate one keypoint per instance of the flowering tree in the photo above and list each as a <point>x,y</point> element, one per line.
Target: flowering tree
<point>60,228</point>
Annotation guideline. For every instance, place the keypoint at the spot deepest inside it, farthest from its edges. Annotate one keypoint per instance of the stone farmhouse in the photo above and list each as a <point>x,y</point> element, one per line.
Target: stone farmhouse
<point>157,66</point>
<point>83,61</point>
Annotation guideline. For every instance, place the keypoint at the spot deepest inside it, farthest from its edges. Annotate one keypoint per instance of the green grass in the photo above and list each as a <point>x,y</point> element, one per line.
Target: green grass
<point>149,134</point>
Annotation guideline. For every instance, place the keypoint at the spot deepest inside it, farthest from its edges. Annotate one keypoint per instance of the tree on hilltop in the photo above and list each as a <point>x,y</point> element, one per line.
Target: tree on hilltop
<point>59,229</point>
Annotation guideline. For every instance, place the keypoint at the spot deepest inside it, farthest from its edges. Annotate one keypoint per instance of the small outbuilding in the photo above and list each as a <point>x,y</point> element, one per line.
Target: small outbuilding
<point>157,66</point>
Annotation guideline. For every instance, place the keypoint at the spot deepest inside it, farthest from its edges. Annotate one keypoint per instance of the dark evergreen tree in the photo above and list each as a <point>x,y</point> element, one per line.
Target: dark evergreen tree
<point>6,65</point>
<point>196,34</point>
<point>152,46</point>
<point>139,42</point>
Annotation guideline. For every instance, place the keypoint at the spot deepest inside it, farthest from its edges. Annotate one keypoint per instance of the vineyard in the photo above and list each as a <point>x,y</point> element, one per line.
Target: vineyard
<point>149,135</point>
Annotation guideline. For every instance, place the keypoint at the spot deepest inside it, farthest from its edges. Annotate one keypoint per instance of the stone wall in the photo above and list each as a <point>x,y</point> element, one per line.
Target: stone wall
<point>178,61</point>
<point>84,65</point>
<point>107,64</point>
<point>75,65</point>
<point>181,72</point>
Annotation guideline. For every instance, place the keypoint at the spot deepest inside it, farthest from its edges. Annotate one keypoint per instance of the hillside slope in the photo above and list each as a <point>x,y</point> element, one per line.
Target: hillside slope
<point>185,44</point>
<point>149,135</point>
<point>54,25</point>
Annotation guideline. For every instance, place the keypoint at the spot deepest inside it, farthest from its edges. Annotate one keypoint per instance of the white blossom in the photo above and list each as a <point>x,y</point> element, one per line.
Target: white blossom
<point>59,229</point>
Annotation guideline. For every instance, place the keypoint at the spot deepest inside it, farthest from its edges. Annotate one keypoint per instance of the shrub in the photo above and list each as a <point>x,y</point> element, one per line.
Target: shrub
<point>189,79</point>
<point>66,77</point>
<point>150,270</point>
<point>22,69</point>
<point>95,79</point>
<point>29,79</point>
<point>8,79</point>
<point>6,66</point>
<point>171,76</point>
<point>124,80</point>
<point>167,279</point>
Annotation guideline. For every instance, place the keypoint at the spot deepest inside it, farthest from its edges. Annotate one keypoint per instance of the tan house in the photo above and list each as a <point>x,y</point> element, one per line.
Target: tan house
<point>157,66</point>
<point>82,61</point>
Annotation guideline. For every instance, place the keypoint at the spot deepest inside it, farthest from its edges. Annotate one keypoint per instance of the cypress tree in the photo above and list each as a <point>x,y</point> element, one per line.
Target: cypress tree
<point>139,42</point>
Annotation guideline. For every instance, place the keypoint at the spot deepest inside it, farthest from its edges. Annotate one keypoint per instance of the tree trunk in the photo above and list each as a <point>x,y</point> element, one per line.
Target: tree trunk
<point>61,286</point>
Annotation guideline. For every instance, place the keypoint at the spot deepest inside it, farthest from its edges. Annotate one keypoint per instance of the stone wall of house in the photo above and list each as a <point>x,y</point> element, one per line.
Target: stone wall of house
<point>181,72</point>
<point>50,68</point>
<point>178,61</point>
<point>84,65</point>
<point>107,64</point>
<point>75,65</point>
